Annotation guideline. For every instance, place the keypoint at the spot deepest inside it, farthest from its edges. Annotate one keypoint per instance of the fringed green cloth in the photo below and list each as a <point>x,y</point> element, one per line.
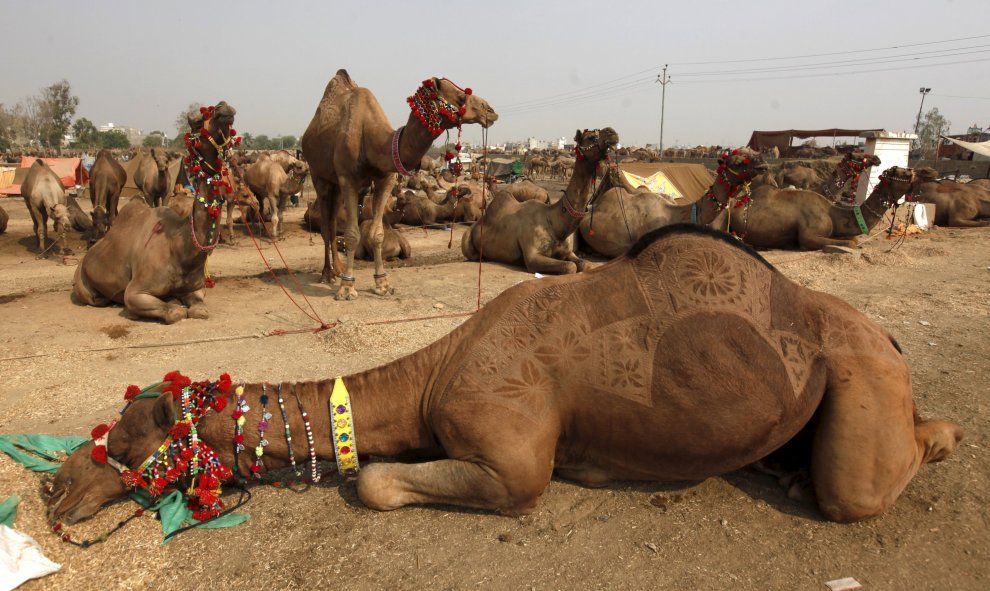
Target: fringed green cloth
<point>39,453</point>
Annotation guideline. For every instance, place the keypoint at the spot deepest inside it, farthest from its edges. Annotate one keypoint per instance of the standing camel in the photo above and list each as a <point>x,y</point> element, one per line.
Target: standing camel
<point>534,234</point>
<point>273,185</point>
<point>350,144</point>
<point>44,196</point>
<point>106,181</point>
<point>151,176</point>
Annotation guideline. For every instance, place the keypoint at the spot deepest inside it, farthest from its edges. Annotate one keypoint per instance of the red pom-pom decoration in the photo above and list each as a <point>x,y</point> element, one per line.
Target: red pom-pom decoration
<point>180,429</point>
<point>99,454</point>
<point>468,91</point>
<point>131,392</point>
<point>232,131</point>
<point>219,403</point>
<point>428,83</point>
<point>99,431</point>
<point>224,382</point>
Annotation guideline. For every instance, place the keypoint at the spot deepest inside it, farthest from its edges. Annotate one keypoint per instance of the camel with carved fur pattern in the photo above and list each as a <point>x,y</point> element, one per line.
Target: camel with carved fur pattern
<point>702,359</point>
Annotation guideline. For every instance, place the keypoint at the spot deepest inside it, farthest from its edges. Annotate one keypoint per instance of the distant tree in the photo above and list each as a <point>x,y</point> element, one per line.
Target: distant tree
<point>113,139</point>
<point>56,107</point>
<point>8,127</point>
<point>933,125</point>
<point>153,139</point>
<point>262,142</point>
<point>182,120</point>
<point>86,134</point>
<point>288,142</point>
<point>247,141</point>
<point>28,115</point>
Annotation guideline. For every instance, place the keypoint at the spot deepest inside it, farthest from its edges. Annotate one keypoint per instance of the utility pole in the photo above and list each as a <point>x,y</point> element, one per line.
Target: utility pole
<point>664,80</point>
<point>917,122</point>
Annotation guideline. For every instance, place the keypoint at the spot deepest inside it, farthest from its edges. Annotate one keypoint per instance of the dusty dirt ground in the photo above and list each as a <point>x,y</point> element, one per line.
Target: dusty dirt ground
<point>64,368</point>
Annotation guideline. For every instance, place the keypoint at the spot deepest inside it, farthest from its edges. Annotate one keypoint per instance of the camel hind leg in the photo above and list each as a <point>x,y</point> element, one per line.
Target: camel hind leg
<point>869,443</point>
<point>83,293</point>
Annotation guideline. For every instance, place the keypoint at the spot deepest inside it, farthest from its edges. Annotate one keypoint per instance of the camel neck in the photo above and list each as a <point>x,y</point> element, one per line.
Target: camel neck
<point>567,213</point>
<point>710,204</point>
<point>872,210</point>
<point>414,142</point>
<point>388,406</point>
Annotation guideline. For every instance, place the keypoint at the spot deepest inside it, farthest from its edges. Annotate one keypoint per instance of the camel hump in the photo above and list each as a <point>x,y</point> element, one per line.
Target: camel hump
<point>665,232</point>
<point>340,84</point>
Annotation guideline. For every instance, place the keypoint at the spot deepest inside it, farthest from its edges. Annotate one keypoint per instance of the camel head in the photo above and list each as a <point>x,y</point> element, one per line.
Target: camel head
<point>60,217</point>
<point>216,120</point>
<point>741,165</point>
<point>594,144</point>
<point>160,157</point>
<point>83,484</point>
<point>900,179</point>
<point>476,109</point>
<point>299,170</point>
<point>101,222</point>
<point>925,174</point>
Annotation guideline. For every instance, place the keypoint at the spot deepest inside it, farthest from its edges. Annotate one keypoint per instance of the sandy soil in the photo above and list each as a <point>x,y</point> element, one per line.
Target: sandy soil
<point>64,368</point>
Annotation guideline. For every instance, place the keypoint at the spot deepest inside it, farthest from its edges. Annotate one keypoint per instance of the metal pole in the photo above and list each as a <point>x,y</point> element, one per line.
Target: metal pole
<point>917,122</point>
<point>663,80</point>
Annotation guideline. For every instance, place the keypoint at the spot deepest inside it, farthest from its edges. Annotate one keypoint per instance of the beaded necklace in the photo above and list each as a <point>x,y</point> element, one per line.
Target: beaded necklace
<point>428,106</point>
<point>259,451</point>
<point>288,434</point>
<point>238,416</point>
<point>313,469</point>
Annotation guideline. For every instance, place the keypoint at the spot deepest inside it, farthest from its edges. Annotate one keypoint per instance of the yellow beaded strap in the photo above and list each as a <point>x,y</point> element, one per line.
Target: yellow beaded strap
<point>342,423</point>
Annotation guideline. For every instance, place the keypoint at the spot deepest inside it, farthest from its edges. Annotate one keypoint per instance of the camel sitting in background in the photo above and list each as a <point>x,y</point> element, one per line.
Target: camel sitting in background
<point>522,190</point>
<point>151,176</point>
<point>533,234</point>
<point>45,197</point>
<point>152,255</point>
<point>423,210</point>
<point>701,360</point>
<point>961,205</point>
<point>789,218</point>
<point>273,186</point>
<point>350,144</point>
<point>4,218</point>
<point>106,181</point>
<point>623,213</point>
<point>394,246</point>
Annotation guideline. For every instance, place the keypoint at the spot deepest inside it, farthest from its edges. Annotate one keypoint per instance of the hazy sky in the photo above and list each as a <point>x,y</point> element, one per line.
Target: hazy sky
<point>546,67</point>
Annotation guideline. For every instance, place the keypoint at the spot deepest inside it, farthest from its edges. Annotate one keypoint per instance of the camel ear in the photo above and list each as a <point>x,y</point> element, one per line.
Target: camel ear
<point>577,137</point>
<point>195,120</point>
<point>163,412</point>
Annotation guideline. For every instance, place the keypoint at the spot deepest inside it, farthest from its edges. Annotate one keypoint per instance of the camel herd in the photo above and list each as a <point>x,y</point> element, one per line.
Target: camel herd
<point>607,373</point>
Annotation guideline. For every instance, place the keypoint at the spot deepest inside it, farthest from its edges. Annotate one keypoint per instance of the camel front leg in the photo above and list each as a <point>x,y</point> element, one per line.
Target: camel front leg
<point>280,227</point>
<point>352,235</point>
<point>144,305</point>
<point>196,304</point>
<point>230,238</point>
<point>383,191</point>
<point>815,239</point>
<point>328,228</point>
<point>540,263</point>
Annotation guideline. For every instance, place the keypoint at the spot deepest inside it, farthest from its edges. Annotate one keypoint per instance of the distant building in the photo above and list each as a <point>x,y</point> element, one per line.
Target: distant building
<point>134,135</point>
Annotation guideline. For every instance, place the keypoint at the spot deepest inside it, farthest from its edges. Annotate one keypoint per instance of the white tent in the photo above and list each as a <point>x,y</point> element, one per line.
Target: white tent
<point>981,148</point>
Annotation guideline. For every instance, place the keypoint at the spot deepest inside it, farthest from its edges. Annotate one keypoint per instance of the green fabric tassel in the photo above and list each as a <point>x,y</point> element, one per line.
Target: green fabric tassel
<point>8,510</point>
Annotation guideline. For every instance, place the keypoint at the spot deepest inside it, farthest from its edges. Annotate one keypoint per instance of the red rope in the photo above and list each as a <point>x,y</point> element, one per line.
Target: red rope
<point>315,316</point>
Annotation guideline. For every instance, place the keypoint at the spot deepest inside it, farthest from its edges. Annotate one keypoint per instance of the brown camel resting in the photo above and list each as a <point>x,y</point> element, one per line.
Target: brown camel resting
<point>350,144</point>
<point>534,234</point>
<point>106,180</point>
<point>152,255</point>
<point>44,197</point>
<point>522,190</point>
<point>956,204</point>
<point>702,359</point>
<point>394,246</point>
<point>4,218</point>
<point>792,218</point>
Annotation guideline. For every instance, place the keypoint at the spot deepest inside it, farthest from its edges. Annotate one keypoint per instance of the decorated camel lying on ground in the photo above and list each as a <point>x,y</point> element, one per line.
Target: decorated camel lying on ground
<point>839,184</point>
<point>349,144</point>
<point>703,355</point>
<point>534,234</point>
<point>44,197</point>
<point>622,213</point>
<point>152,255</point>
<point>792,218</point>
<point>106,180</point>
<point>956,204</point>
